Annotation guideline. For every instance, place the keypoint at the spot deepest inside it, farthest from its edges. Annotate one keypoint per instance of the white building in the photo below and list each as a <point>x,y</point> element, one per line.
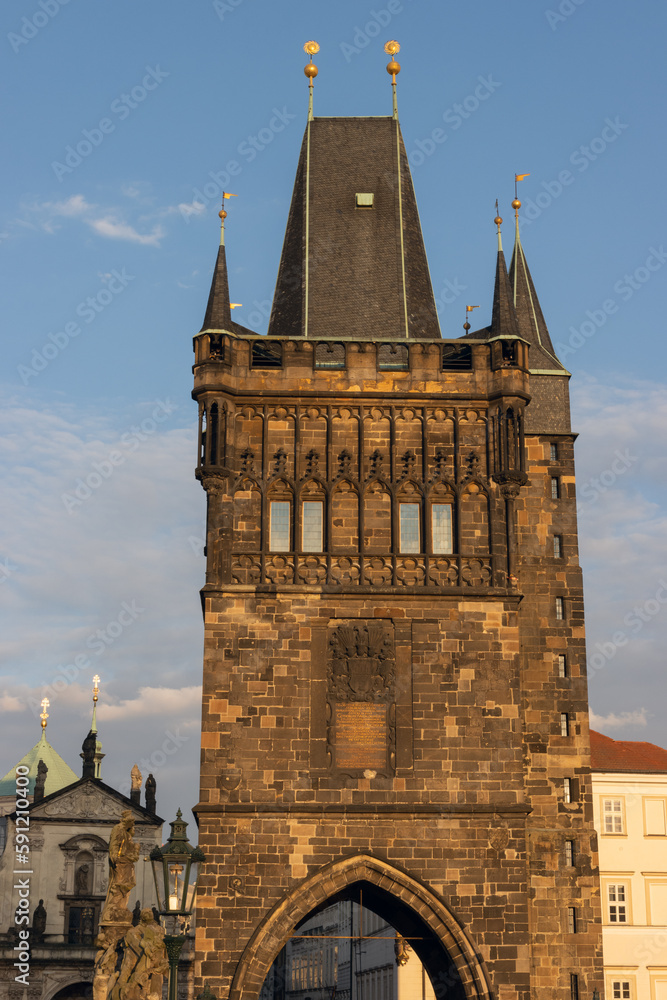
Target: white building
<point>630,806</point>
<point>63,832</point>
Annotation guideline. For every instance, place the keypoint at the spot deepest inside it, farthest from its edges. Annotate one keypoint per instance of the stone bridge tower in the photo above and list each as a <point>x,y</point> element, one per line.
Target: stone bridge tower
<point>394,699</point>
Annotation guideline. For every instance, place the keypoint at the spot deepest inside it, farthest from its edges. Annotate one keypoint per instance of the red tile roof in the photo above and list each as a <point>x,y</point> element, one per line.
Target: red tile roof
<point>626,755</point>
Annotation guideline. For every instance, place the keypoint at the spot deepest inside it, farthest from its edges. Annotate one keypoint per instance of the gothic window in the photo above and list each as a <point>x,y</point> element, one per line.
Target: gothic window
<point>574,986</point>
<point>612,816</point>
<point>409,528</point>
<point>567,789</point>
<point>312,526</point>
<point>568,853</point>
<point>558,546</point>
<point>279,526</point>
<point>555,488</point>
<point>562,665</point>
<point>560,609</point>
<point>572,920</point>
<point>564,724</point>
<point>553,451</point>
<point>441,528</point>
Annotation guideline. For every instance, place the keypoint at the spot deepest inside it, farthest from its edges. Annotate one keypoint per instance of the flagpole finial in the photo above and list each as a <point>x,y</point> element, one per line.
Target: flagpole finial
<point>44,715</point>
<point>310,69</point>
<point>469,309</point>
<point>223,215</point>
<point>393,68</point>
<point>516,204</point>
<point>498,221</point>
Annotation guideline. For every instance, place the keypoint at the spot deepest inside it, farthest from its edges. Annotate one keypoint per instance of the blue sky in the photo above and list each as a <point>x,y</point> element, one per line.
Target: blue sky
<point>123,124</point>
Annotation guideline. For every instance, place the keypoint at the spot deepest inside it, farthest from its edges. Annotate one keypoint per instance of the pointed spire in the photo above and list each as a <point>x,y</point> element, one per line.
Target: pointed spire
<point>531,322</point>
<point>218,311</point>
<point>503,316</point>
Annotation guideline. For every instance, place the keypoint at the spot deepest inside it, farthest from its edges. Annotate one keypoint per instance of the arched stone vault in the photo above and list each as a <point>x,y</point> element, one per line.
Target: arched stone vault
<point>274,931</point>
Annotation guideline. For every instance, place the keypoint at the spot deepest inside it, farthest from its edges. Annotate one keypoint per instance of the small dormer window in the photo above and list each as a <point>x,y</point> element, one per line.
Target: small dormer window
<point>363,200</point>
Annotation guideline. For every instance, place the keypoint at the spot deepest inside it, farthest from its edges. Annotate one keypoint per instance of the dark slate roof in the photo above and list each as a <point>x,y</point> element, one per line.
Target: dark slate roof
<point>532,326</point>
<point>218,312</point>
<point>342,267</point>
<point>626,755</point>
<point>503,316</point>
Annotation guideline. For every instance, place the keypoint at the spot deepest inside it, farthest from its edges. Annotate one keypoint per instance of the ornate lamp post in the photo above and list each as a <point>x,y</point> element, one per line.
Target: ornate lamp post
<point>175,870</point>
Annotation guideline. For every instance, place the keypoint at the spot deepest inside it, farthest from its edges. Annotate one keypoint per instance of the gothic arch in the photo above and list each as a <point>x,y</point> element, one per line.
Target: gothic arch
<point>274,931</point>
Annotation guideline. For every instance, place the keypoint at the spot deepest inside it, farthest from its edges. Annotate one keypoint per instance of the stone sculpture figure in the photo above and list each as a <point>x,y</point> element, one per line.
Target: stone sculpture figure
<point>123,854</point>
<point>39,922</point>
<point>144,962</point>
<point>81,880</point>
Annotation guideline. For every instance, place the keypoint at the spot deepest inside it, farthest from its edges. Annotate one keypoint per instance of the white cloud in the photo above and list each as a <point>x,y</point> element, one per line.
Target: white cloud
<point>108,222</point>
<point>161,701</point>
<point>621,720</point>
<point>115,229</point>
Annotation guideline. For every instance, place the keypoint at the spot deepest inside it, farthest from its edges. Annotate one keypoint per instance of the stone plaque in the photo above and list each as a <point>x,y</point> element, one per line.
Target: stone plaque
<point>360,735</point>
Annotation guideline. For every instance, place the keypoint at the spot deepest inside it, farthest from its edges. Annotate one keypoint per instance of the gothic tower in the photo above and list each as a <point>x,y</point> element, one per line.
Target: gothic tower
<point>395,738</point>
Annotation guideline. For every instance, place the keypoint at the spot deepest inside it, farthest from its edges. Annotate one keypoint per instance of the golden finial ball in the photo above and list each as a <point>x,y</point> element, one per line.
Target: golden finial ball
<point>516,203</point>
<point>393,67</point>
<point>311,48</point>
<point>222,213</point>
<point>392,47</point>
<point>310,70</point>
<point>498,221</point>
<point>466,326</point>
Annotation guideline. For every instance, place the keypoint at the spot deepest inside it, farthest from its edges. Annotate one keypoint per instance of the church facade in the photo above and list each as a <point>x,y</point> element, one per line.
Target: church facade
<point>395,721</point>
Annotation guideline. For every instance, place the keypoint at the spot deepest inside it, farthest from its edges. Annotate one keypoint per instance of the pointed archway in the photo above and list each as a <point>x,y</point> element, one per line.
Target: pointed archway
<point>455,968</point>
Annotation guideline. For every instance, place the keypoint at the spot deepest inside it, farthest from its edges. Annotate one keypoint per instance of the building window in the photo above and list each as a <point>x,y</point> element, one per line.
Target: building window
<point>571,920</point>
<point>564,724</point>
<point>617,903</point>
<point>560,609</point>
<point>279,526</point>
<point>562,665</point>
<point>312,526</point>
<point>569,854</point>
<point>620,989</point>
<point>612,815</point>
<point>410,540</point>
<point>574,986</point>
<point>558,546</point>
<point>553,451</point>
<point>567,789</point>
<point>555,488</point>
<point>441,527</point>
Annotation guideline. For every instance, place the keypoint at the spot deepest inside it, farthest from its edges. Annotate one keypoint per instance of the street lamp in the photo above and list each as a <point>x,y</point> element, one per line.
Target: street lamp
<point>175,871</point>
